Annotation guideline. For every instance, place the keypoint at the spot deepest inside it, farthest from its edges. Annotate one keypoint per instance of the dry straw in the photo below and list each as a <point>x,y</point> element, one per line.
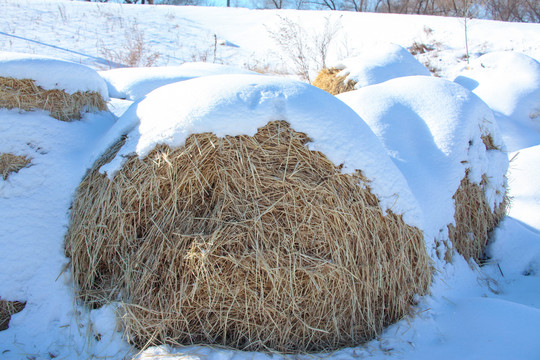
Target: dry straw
<point>24,94</point>
<point>329,81</point>
<point>255,243</point>
<point>10,163</point>
<point>473,216</point>
<point>474,220</point>
<point>8,308</point>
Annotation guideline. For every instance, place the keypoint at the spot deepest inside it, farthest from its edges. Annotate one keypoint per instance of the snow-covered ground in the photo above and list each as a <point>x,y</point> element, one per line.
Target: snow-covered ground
<point>103,35</point>
<point>471,312</point>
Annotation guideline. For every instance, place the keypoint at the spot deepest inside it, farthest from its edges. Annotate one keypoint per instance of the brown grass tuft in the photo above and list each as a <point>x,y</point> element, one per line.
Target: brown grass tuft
<point>420,48</point>
<point>24,94</point>
<point>474,220</point>
<point>10,163</point>
<point>328,81</point>
<point>489,143</point>
<point>8,308</point>
<point>255,243</point>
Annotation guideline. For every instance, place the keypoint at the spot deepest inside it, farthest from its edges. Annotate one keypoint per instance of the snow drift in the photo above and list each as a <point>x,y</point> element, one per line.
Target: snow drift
<point>509,83</point>
<point>134,83</point>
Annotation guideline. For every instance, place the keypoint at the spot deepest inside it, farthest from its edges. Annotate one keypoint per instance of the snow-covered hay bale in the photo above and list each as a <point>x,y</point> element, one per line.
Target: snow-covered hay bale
<point>251,212</point>
<point>134,83</point>
<point>509,83</point>
<point>10,163</point>
<point>474,218</point>
<point>66,90</point>
<point>373,66</point>
<point>445,141</point>
<point>8,308</point>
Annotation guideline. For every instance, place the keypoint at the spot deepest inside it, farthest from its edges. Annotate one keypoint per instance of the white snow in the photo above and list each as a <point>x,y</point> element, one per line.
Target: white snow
<point>380,63</point>
<point>524,177</point>
<point>134,83</point>
<point>509,83</point>
<point>34,207</point>
<point>50,73</point>
<point>471,312</point>
<point>240,104</point>
<point>432,129</point>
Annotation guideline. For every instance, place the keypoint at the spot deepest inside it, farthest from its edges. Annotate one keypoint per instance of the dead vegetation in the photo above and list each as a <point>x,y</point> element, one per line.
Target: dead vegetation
<point>24,94</point>
<point>474,220</point>
<point>420,48</point>
<point>329,81</point>
<point>255,243</point>
<point>8,308</point>
<point>10,163</point>
<point>136,51</point>
<point>473,216</point>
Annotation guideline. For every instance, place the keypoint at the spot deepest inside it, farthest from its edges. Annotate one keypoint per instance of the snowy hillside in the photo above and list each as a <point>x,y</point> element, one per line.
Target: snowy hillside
<point>471,312</point>
<point>107,35</point>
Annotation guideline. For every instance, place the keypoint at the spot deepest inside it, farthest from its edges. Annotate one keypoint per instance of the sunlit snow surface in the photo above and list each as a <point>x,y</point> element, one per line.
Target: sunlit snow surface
<point>50,73</point>
<point>474,313</point>
<point>509,82</point>
<point>380,63</point>
<point>134,83</point>
<point>432,129</point>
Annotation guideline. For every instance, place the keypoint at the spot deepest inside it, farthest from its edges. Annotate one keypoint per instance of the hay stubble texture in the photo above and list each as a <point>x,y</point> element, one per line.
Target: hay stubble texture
<point>251,242</point>
<point>10,163</point>
<point>25,95</point>
<point>8,308</point>
<point>474,220</point>
<point>473,217</point>
<point>329,81</point>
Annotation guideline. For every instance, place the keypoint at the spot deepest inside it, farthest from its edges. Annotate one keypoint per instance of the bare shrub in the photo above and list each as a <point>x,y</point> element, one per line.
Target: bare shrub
<point>136,51</point>
<point>306,48</point>
<point>292,40</point>
<point>420,48</point>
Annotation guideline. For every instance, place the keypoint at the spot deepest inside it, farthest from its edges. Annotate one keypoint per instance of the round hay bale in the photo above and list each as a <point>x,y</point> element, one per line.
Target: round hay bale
<point>10,163</point>
<point>251,241</point>
<point>66,90</point>
<point>377,64</point>
<point>330,81</point>
<point>445,141</point>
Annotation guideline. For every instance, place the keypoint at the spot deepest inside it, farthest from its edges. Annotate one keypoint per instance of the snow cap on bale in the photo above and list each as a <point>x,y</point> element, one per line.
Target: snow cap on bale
<point>63,88</point>
<point>443,138</point>
<point>249,211</point>
<point>134,83</point>
<point>375,65</point>
<point>172,113</point>
<point>509,82</point>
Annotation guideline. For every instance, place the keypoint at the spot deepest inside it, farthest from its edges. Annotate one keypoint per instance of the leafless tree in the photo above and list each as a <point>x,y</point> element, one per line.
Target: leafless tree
<point>514,10</point>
